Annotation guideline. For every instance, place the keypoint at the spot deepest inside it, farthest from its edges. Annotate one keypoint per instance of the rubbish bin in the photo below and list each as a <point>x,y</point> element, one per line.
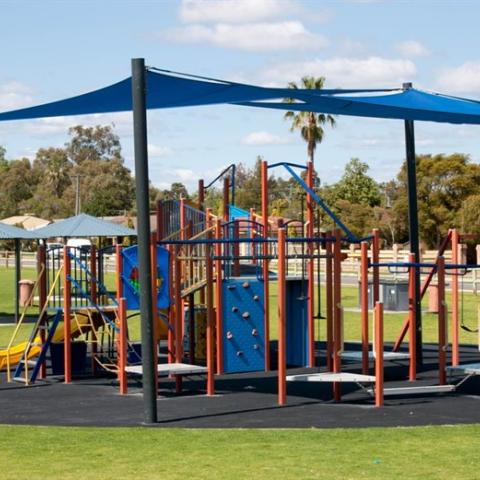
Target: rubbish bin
<point>26,289</point>
<point>433,298</point>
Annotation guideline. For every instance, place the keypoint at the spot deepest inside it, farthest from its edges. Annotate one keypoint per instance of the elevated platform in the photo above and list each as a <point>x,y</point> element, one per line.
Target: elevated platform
<point>343,377</point>
<point>466,369</point>
<point>356,356</point>
<point>165,369</point>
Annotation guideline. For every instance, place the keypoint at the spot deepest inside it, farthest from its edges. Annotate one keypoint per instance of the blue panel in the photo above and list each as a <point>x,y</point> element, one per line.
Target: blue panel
<point>243,332</point>
<point>130,277</point>
<point>297,324</point>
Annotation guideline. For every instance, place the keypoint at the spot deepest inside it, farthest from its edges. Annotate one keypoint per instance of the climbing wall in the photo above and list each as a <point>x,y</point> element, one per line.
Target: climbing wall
<point>297,324</point>
<point>243,328</point>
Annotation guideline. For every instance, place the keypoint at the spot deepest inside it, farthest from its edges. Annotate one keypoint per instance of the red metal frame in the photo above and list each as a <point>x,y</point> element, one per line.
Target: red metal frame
<point>442,328</point>
<point>364,305</point>
<point>93,294</point>
<point>210,320</point>
<point>310,270</point>
<point>178,318</point>
<point>376,270</point>
<point>455,299</point>
<point>412,318</point>
<point>329,301</point>
<point>337,312</point>
<point>122,346</point>
<point>265,269</point>
<point>282,358</point>
<point>153,271</point>
<point>42,295</point>
<point>379,372</point>
<point>67,292</point>
<point>218,296</point>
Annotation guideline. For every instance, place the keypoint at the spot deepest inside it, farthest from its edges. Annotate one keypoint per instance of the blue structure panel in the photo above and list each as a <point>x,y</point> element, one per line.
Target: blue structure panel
<point>130,277</point>
<point>243,333</point>
<point>297,323</point>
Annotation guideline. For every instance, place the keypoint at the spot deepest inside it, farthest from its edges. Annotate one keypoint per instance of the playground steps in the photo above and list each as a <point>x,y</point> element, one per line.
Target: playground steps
<point>356,356</point>
<point>193,288</point>
<point>165,369</point>
<point>417,390</point>
<point>343,377</point>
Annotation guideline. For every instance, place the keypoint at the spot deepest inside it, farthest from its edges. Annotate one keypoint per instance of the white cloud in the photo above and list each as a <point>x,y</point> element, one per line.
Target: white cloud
<point>412,48</point>
<point>371,72</point>
<point>15,95</point>
<point>158,150</point>
<point>462,79</point>
<point>250,36</point>
<point>234,11</point>
<point>263,138</point>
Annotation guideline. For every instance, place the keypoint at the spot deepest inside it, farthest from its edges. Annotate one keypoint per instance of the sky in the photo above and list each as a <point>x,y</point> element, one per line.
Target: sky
<point>56,49</point>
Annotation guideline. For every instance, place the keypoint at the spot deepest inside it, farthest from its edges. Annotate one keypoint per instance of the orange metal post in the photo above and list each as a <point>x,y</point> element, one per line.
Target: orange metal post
<point>364,305</point>
<point>119,272</point>
<point>282,343</point>
<point>252,226</point>
<point>218,296</point>
<point>455,298</point>
<point>93,295</point>
<point>153,267</point>
<point>329,298</point>
<point>337,312</point>
<point>236,248</point>
<point>310,270</point>
<point>67,291</point>
<point>159,218</point>
<point>42,295</point>
<point>412,339</point>
<point>379,354</point>
<point>122,346</point>
<point>210,321</point>
<point>442,331</point>
<point>265,269</point>
<point>178,319</point>
<point>376,270</point>
<point>171,309</point>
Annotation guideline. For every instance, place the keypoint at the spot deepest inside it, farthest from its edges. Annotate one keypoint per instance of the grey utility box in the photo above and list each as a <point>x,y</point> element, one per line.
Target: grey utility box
<point>393,294</point>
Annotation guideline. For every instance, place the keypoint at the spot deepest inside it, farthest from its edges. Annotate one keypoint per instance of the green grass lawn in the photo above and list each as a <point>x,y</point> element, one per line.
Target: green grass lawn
<point>142,453</point>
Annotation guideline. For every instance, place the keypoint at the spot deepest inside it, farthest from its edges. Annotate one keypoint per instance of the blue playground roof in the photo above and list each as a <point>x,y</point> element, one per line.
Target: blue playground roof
<point>8,232</point>
<point>83,225</point>
<point>168,89</point>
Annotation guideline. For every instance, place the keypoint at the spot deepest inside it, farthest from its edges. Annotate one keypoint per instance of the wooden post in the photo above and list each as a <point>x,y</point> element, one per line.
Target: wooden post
<point>379,354</point>
<point>67,298</point>
<point>364,305</point>
<point>282,344</point>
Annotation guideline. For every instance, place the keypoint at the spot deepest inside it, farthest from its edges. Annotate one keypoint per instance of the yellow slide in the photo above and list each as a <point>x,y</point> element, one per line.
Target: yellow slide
<point>16,352</point>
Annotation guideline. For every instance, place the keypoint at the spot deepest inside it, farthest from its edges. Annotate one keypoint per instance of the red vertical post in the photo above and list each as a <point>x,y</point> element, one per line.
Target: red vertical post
<point>226,199</point>
<point>210,320</point>
<point>364,305</point>
<point>376,270</point>
<point>118,272</point>
<point>455,299</point>
<point>310,270</point>
<point>42,295</point>
<point>153,267</point>
<point>122,346</point>
<point>282,341</point>
<point>379,354</point>
<point>236,248</point>
<point>329,301</point>
<point>265,263</point>
<point>412,338</point>
<point>442,329</point>
<point>67,298</point>
<point>93,295</point>
<point>337,312</point>
<point>178,318</point>
<point>171,309</point>
<point>218,296</point>
<point>252,226</point>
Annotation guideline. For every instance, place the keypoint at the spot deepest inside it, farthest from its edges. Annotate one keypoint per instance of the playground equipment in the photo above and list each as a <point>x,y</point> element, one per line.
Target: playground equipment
<point>213,283</point>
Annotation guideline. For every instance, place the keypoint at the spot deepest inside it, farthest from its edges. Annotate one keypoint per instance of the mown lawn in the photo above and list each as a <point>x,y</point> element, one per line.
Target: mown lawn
<point>448,452</point>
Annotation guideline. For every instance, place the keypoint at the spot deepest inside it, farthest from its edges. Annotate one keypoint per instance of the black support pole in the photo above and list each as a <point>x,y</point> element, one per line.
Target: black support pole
<point>413,223</point>
<point>143,234</point>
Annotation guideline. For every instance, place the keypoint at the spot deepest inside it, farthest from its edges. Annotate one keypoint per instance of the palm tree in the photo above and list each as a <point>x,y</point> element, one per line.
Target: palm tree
<point>309,123</point>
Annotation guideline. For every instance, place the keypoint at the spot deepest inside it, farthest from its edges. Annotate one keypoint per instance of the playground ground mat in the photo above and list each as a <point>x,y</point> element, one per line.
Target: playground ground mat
<point>242,401</point>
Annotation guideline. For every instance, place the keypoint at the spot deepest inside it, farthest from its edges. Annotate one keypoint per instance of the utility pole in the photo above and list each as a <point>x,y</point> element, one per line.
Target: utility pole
<point>78,201</point>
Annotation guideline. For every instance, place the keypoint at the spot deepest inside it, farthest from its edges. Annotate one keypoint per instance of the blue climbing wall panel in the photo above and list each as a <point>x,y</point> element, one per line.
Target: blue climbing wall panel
<point>243,330</point>
<point>297,324</point>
